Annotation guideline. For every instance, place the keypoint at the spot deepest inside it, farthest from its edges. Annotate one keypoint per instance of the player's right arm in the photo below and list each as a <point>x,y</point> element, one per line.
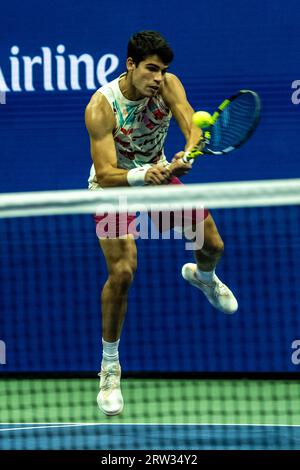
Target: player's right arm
<point>100,123</point>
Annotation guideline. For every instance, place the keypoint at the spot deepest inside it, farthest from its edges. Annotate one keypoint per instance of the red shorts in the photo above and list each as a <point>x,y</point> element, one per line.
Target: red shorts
<point>117,225</point>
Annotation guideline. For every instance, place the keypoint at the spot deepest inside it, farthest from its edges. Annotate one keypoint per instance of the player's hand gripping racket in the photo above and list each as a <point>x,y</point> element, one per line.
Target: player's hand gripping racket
<point>231,125</point>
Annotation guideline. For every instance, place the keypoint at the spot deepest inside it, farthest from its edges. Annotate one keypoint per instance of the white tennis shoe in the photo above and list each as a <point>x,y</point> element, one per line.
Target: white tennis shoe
<point>110,399</point>
<point>219,295</point>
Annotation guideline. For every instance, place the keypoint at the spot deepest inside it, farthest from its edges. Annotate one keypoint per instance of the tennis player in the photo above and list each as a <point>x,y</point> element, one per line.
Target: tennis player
<point>127,120</point>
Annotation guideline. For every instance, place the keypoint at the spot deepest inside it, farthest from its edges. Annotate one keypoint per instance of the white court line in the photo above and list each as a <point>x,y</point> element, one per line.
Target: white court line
<point>41,427</point>
<point>65,425</point>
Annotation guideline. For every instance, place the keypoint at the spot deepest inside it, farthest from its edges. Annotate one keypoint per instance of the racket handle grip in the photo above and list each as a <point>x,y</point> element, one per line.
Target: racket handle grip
<point>186,158</point>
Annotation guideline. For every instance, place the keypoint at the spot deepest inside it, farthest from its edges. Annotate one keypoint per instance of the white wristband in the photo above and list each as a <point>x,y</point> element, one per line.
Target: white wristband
<point>136,176</point>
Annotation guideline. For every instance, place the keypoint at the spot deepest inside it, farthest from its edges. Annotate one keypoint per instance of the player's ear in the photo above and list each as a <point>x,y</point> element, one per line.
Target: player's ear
<point>130,64</point>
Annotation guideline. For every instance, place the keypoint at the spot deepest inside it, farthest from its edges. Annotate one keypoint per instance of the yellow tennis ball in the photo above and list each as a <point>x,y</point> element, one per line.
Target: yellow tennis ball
<point>202,119</point>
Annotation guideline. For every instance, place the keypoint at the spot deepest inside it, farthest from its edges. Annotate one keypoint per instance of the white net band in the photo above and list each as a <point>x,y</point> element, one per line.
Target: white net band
<point>163,198</point>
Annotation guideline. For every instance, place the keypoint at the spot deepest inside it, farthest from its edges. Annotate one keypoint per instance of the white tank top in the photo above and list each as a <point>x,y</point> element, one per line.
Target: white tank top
<point>140,132</point>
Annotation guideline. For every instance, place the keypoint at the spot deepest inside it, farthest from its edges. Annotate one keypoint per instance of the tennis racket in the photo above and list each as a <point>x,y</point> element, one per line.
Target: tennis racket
<point>233,123</point>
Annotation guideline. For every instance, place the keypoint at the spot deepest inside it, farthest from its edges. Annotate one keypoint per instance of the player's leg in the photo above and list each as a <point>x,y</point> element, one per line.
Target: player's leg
<point>120,255</point>
<point>121,260</point>
<point>202,274</point>
<point>209,255</point>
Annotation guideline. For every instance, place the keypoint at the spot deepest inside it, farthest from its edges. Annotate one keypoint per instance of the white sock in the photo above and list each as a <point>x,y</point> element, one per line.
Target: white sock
<point>110,351</point>
<point>205,276</point>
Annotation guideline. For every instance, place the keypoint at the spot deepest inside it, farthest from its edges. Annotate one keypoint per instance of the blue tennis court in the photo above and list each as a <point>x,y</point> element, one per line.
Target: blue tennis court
<point>92,436</point>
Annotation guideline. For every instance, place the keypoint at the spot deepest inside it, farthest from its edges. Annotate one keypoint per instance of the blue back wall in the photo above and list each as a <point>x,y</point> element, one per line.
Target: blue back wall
<point>219,47</point>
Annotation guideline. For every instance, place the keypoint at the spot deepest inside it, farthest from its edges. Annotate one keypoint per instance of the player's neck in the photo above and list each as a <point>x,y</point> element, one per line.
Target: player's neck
<point>128,90</point>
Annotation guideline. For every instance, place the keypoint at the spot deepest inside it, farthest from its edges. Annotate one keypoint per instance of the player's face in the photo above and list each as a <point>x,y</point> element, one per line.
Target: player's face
<point>148,76</point>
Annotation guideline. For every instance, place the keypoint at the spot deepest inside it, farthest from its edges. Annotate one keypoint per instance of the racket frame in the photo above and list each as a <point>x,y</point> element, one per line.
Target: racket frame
<point>202,148</point>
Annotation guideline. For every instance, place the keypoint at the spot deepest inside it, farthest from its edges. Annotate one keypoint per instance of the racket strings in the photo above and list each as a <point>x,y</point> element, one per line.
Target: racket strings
<point>234,123</point>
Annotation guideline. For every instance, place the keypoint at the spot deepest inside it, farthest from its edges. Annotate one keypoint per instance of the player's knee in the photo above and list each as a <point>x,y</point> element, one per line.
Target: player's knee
<point>214,247</point>
<point>122,275</point>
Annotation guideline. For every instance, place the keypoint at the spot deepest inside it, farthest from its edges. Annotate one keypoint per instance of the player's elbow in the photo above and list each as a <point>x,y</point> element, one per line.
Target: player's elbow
<point>102,179</point>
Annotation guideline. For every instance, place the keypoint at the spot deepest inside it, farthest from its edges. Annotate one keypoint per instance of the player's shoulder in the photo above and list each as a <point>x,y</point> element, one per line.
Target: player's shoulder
<point>98,111</point>
<point>172,88</point>
<point>171,84</point>
<point>171,80</point>
<point>98,102</point>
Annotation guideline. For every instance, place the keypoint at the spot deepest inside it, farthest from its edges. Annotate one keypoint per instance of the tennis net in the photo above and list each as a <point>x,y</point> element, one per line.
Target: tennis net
<point>192,377</point>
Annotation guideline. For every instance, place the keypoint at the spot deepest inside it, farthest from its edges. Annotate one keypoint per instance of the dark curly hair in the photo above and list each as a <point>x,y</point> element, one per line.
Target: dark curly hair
<point>146,43</point>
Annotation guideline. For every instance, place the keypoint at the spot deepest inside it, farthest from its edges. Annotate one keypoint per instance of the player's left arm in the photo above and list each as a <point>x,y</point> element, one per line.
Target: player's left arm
<point>175,98</point>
